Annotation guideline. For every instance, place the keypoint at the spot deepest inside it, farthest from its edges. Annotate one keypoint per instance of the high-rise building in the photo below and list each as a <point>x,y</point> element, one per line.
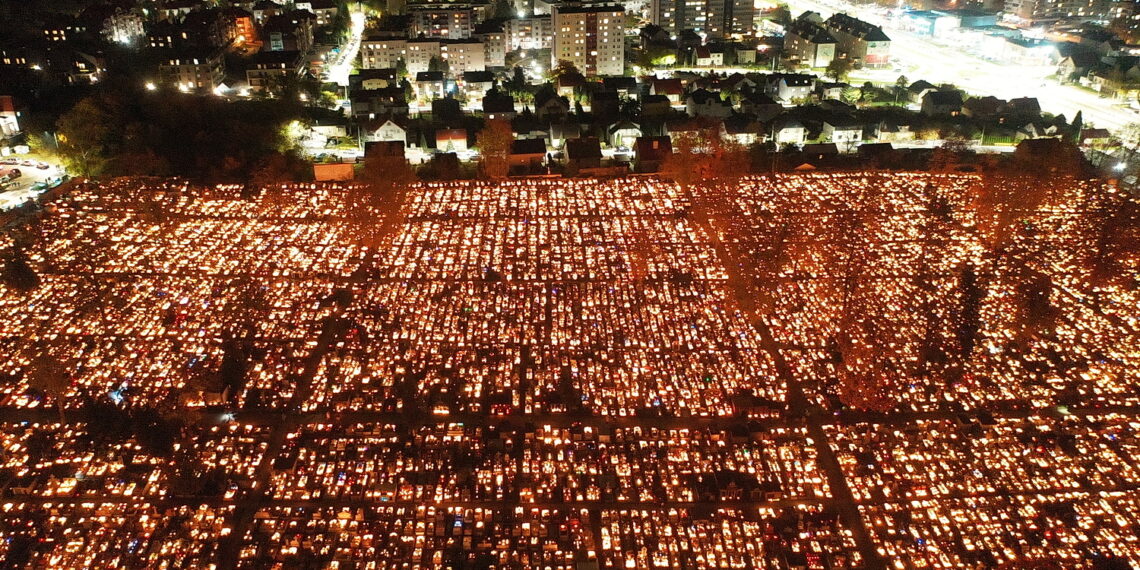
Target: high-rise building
<point>445,21</point>
<point>715,18</point>
<point>590,37</point>
<point>1029,12</point>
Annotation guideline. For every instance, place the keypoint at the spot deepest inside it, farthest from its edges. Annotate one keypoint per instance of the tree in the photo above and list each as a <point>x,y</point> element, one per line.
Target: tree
<point>901,85</point>
<point>838,68</point>
<point>439,64</point>
<point>503,10</point>
<point>374,206</point>
<point>401,69</point>
<point>563,67</point>
<point>86,136</point>
<point>18,273</point>
<point>48,375</point>
<point>494,143</point>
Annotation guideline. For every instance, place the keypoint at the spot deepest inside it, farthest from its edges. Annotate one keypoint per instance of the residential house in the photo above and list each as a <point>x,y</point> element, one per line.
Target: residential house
<point>843,131</point>
<point>562,132</point>
<point>372,103</point>
<point>986,107</point>
<point>1037,130</point>
<point>549,106</point>
<point>742,129</point>
<point>656,106</point>
<point>585,152</point>
<point>942,103</point>
<point>1092,136</point>
<point>1076,65</point>
<point>527,156</point>
<point>702,57</point>
<point>446,109</point>
<point>787,131</point>
<point>498,105</point>
<point>790,87</point>
<point>568,84</point>
<point>430,84</point>
<point>604,104</point>
<point>1022,107</point>
<point>819,153</point>
<point>745,55</point>
<point>704,103</point>
<point>474,83</point>
<point>890,131</point>
<point>760,105</point>
<point>451,140</point>
<point>828,90</point>
<point>384,129</point>
<point>622,134</point>
<point>380,78</point>
<point>624,86</point>
<point>919,89</point>
<point>670,88</point>
<point>650,153</point>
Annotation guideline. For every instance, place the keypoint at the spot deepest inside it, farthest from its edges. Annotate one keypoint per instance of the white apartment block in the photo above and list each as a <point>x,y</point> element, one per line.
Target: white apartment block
<point>529,33</point>
<point>464,55</point>
<point>494,47</point>
<point>590,37</point>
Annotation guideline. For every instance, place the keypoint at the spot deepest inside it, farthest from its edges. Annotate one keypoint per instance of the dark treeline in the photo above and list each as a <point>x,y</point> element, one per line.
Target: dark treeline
<point>121,132</point>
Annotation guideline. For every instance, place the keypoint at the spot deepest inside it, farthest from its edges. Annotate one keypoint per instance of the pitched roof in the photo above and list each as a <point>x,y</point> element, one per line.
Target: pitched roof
<point>856,27</point>
<point>528,146</point>
<point>810,31</point>
<point>585,147</point>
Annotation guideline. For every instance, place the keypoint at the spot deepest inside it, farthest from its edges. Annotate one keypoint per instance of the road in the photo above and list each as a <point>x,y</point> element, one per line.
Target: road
<point>20,191</point>
<point>922,58</point>
<point>339,70</point>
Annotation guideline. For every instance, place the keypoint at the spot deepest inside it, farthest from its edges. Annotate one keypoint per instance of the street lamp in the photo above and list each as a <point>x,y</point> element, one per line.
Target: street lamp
<point>1120,166</point>
<point>150,86</point>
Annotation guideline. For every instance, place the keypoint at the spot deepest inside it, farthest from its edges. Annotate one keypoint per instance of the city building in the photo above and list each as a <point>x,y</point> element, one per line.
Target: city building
<point>529,33</point>
<point>494,40</point>
<point>292,31</point>
<point>268,69</point>
<point>464,55</point>
<point>123,26</point>
<point>863,43</point>
<point>192,69</point>
<point>809,43</point>
<point>592,38</point>
<point>378,52</point>
<point>324,10</point>
<point>1027,13</point>
<point>713,18</point>
<point>444,21</point>
<point>9,116</point>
